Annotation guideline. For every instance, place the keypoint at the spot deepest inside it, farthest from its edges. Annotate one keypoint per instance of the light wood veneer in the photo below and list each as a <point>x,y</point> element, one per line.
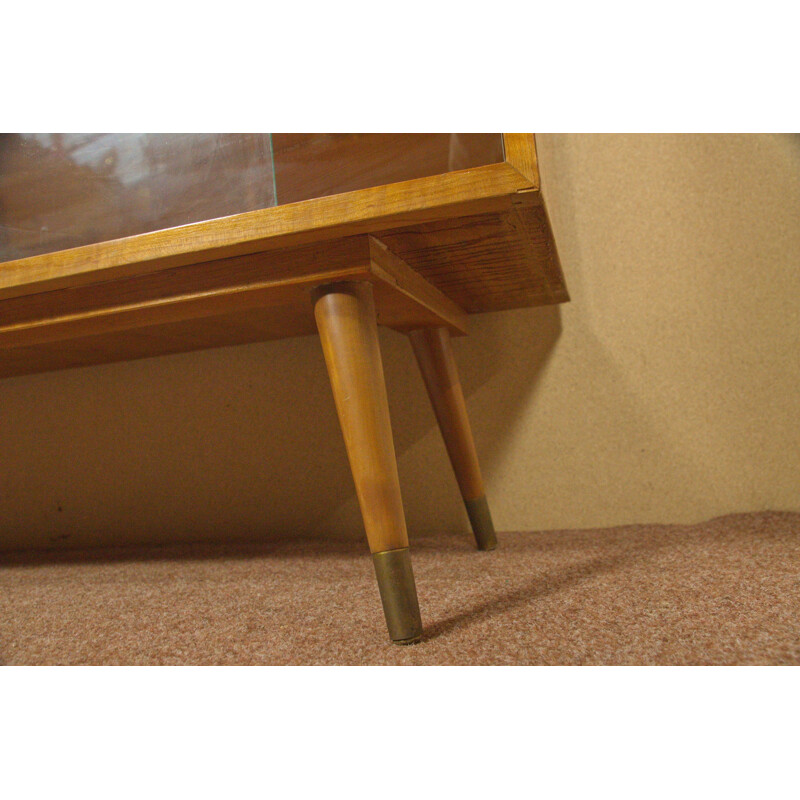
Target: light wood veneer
<point>416,256</point>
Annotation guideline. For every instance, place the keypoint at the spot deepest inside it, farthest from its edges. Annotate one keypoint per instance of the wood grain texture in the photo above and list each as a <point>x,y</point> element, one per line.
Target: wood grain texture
<point>231,301</point>
<point>59,191</point>
<point>395,272</point>
<point>434,355</point>
<point>483,189</point>
<point>345,314</point>
<point>520,153</point>
<point>487,262</point>
<point>434,248</point>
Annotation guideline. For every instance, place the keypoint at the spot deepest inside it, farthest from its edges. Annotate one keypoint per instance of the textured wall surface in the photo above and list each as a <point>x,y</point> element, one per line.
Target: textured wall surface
<point>668,390</point>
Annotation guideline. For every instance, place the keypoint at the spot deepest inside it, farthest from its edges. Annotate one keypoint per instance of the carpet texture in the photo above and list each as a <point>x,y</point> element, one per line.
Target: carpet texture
<point>723,592</point>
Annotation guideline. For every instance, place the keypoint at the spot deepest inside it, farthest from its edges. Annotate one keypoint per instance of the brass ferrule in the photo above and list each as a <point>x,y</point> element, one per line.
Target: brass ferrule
<point>398,595</point>
<point>481,520</point>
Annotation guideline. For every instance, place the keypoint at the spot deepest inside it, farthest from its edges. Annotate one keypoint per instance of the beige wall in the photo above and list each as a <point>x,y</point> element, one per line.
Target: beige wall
<point>668,390</point>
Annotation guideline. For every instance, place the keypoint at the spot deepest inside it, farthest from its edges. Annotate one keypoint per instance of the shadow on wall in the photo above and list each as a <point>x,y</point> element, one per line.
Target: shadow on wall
<point>238,443</point>
<point>670,395</point>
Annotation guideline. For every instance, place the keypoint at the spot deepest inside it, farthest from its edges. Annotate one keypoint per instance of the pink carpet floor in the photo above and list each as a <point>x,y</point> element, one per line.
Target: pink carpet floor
<point>723,592</point>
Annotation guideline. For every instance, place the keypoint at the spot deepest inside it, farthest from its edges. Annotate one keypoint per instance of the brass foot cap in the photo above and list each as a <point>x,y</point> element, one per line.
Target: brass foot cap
<point>398,595</point>
<point>481,520</point>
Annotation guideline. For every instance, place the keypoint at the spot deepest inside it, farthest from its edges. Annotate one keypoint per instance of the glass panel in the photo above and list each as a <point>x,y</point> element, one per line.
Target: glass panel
<point>317,164</point>
<point>60,190</point>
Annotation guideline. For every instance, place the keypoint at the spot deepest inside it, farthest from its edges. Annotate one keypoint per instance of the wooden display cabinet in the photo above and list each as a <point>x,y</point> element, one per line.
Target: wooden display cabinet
<point>116,249</point>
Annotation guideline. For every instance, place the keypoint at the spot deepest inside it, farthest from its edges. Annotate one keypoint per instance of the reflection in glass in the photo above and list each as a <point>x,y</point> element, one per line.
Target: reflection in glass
<point>61,190</point>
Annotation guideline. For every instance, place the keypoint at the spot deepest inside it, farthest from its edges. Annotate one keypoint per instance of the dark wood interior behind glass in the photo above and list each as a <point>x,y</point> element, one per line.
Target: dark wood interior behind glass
<point>311,165</point>
<point>65,190</point>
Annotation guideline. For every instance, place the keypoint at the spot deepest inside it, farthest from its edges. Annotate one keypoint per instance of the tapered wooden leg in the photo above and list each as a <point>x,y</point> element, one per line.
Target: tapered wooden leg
<point>435,358</point>
<point>345,314</point>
